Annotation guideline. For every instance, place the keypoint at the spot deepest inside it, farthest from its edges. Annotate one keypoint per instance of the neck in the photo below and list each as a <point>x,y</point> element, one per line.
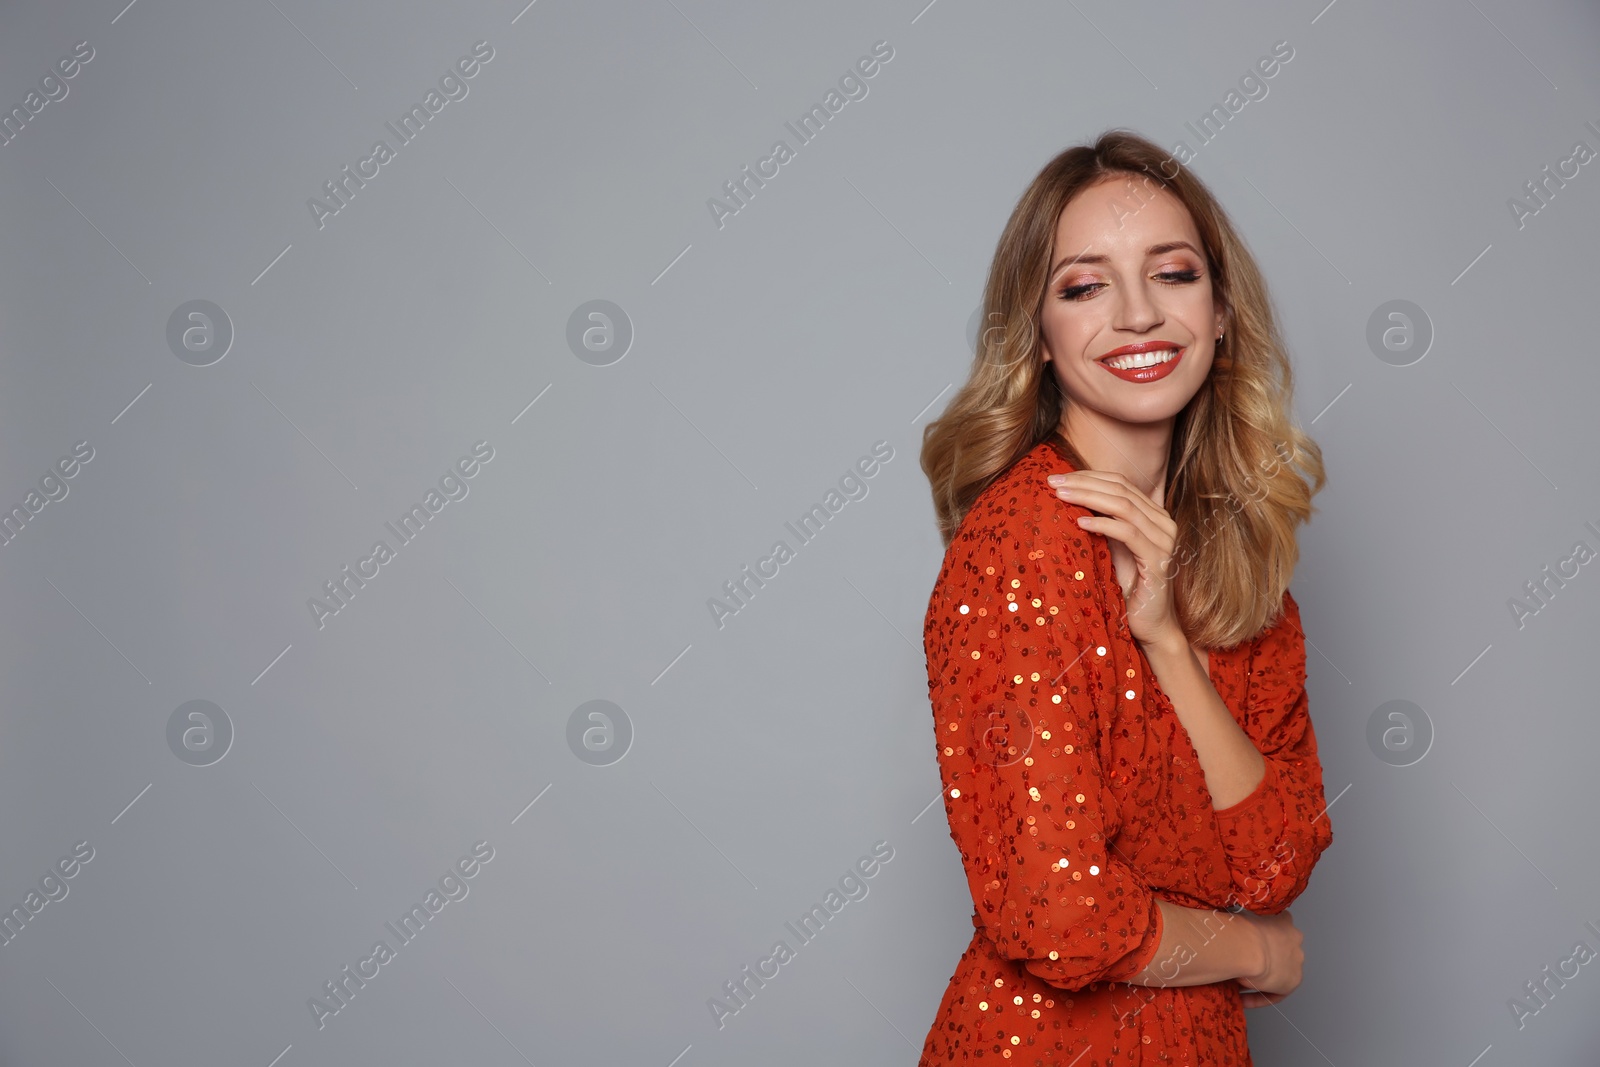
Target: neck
<point>1137,451</point>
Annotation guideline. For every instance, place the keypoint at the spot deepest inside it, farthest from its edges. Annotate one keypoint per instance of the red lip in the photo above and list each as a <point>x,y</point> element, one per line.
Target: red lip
<point>1142,346</point>
<point>1145,374</point>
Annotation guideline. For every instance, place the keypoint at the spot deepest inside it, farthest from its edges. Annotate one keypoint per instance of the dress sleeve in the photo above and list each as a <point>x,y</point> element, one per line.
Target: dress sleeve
<point>1273,837</point>
<point>1016,640</point>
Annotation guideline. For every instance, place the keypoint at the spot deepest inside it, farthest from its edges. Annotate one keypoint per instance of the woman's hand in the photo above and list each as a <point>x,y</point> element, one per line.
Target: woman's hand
<point>1142,537</point>
<point>1284,952</point>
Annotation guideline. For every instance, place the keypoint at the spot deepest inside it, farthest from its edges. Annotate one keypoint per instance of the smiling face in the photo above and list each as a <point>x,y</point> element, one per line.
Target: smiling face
<point>1127,269</point>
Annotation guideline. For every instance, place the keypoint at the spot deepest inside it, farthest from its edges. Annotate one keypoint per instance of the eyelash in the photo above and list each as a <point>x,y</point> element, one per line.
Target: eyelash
<point>1184,277</point>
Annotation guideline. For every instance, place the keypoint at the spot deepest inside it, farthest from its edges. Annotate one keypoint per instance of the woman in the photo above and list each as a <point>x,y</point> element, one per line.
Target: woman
<point>1115,664</point>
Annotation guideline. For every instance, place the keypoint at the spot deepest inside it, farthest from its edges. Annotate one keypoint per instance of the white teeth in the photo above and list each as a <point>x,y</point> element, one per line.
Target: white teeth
<point>1142,359</point>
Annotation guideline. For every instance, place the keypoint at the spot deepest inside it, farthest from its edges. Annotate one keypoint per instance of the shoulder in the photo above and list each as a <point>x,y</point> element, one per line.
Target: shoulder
<point>1282,643</point>
<point>1019,505</point>
<point>1018,528</point>
<point>1286,622</point>
<point>1021,579</point>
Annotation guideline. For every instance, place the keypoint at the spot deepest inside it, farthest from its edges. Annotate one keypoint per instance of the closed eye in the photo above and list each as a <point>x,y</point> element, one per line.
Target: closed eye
<point>1177,277</point>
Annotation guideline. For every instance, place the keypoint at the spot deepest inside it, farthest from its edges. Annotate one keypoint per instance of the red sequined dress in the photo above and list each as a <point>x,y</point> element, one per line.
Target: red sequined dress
<point>1076,798</point>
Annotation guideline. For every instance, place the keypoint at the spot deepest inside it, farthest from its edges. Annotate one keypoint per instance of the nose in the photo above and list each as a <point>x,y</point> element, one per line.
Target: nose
<point>1136,311</point>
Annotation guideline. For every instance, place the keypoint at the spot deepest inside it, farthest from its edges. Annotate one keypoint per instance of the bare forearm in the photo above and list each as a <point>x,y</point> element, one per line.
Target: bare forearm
<point>1232,764</point>
<point>1200,946</point>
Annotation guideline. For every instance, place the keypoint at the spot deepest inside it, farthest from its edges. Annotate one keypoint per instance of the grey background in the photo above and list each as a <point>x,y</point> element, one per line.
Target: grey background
<point>768,355</point>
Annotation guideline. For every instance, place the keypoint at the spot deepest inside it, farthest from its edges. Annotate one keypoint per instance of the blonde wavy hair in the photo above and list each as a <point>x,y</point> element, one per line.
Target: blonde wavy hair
<point>1241,474</point>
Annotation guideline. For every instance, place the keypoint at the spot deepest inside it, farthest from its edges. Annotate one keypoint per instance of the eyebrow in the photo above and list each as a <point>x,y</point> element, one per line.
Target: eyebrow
<point>1153,250</point>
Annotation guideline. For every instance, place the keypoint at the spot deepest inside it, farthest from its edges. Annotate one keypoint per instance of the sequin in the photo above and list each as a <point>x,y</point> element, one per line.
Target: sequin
<point>1145,828</point>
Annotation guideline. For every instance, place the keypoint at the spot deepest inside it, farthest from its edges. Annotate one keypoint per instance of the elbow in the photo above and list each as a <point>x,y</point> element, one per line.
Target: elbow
<point>1269,896</point>
<point>1275,883</point>
<point>1082,953</point>
<point>1067,980</point>
<point>1040,954</point>
<point>1075,973</point>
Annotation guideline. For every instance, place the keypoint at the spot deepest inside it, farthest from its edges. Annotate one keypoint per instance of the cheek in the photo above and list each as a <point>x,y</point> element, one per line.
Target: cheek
<point>1190,302</point>
<point>1066,333</point>
<point>1199,310</point>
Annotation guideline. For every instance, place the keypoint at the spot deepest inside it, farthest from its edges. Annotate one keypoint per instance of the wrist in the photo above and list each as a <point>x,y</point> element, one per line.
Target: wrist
<point>1255,957</point>
<point>1169,645</point>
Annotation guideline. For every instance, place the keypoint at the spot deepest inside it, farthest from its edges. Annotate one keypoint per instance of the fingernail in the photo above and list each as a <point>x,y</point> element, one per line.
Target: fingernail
<point>1056,479</point>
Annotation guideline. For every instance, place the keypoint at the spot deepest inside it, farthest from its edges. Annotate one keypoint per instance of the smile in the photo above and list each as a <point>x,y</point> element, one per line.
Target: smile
<point>1144,366</point>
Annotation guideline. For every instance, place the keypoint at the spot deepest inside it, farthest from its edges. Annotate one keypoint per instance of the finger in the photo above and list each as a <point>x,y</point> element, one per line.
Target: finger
<point>1148,552</point>
<point>1159,529</point>
<point>1254,998</point>
<point>1148,556</point>
<point>1127,501</point>
<point>1118,482</point>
